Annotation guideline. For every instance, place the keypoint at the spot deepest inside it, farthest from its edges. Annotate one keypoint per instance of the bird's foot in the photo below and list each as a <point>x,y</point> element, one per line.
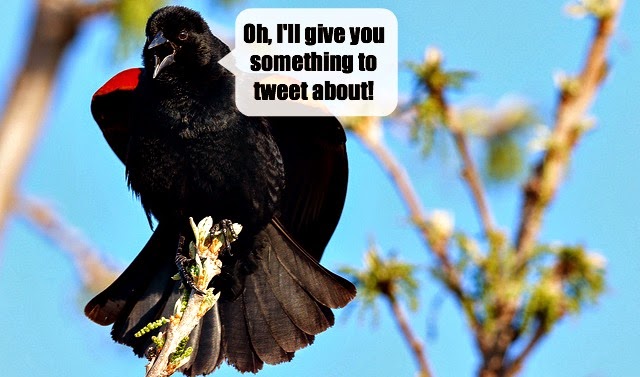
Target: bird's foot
<point>184,264</point>
<point>225,228</point>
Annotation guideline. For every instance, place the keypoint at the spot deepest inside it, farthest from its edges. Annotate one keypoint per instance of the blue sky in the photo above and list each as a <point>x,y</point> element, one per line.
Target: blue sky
<point>514,48</point>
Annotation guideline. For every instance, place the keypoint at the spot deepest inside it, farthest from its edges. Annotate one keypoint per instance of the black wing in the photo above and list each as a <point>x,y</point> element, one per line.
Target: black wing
<point>315,160</point>
<point>313,150</point>
<point>111,108</point>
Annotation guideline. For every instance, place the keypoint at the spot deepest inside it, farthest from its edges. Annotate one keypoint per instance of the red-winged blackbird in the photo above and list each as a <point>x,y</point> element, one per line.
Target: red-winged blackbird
<point>189,152</point>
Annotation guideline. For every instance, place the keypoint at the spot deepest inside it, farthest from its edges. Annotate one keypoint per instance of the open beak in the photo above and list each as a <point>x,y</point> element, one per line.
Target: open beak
<point>165,53</point>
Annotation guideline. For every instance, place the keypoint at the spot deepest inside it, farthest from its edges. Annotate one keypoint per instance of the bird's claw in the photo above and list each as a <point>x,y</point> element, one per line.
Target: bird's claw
<point>183,263</point>
<point>225,227</point>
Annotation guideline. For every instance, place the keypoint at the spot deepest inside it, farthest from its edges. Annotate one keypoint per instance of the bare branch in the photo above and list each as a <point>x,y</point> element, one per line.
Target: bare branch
<point>416,346</point>
<point>469,170</point>
<point>56,24</point>
<point>544,181</point>
<point>93,271</point>
<point>546,178</point>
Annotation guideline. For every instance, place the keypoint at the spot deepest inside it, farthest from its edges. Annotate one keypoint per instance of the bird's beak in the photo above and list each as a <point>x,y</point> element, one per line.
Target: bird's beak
<point>162,53</point>
<point>158,40</point>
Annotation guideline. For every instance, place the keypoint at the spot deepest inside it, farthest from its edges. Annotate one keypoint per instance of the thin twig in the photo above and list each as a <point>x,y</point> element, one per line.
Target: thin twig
<point>416,346</point>
<point>450,120</point>
<point>469,171</point>
<point>544,181</point>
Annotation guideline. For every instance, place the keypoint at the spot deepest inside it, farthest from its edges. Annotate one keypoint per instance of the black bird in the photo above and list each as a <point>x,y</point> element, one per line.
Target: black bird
<point>189,152</point>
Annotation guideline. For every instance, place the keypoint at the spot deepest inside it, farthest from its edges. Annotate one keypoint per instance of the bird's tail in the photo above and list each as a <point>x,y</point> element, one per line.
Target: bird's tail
<point>286,300</point>
<point>143,293</point>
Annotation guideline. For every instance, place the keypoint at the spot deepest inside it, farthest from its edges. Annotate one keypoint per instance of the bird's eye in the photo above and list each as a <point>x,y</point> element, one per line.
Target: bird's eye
<point>183,36</point>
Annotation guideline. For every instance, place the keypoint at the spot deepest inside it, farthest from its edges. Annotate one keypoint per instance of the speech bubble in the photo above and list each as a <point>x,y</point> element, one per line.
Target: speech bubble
<point>341,62</point>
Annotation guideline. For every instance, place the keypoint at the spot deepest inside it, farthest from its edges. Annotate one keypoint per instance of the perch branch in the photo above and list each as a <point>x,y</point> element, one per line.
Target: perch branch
<point>172,352</point>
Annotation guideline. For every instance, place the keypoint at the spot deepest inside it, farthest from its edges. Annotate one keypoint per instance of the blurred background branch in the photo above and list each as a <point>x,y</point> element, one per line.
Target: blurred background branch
<point>95,273</point>
<point>518,291</point>
<point>55,27</point>
<point>575,98</point>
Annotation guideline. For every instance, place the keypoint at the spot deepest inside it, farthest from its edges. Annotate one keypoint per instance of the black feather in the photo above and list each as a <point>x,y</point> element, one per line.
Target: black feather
<point>240,352</point>
<point>303,310</point>
<point>262,339</point>
<point>288,336</point>
<point>207,346</point>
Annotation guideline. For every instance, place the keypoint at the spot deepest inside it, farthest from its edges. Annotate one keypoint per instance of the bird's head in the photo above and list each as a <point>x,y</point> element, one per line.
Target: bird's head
<point>179,40</point>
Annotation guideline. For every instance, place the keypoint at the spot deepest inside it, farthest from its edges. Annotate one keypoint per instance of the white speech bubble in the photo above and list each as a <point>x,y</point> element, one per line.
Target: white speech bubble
<point>344,61</point>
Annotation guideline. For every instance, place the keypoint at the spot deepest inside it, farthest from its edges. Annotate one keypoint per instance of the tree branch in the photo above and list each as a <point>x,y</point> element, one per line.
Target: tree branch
<point>93,271</point>
<point>469,170</point>
<point>180,327</point>
<point>434,79</point>
<point>542,186</point>
<point>416,346</point>
<point>172,351</point>
<point>86,10</point>
<point>56,24</point>
<point>399,177</point>
<point>518,362</point>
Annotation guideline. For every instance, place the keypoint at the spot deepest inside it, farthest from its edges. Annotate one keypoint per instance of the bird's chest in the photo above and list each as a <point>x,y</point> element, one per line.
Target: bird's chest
<point>236,173</point>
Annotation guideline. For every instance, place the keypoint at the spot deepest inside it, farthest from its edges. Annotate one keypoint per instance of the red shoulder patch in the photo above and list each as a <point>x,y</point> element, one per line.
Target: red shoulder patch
<point>125,80</point>
<point>111,108</point>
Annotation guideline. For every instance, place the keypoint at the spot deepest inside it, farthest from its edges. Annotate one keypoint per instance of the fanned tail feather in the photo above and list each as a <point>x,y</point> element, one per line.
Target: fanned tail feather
<point>286,301</point>
<point>206,340</point>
